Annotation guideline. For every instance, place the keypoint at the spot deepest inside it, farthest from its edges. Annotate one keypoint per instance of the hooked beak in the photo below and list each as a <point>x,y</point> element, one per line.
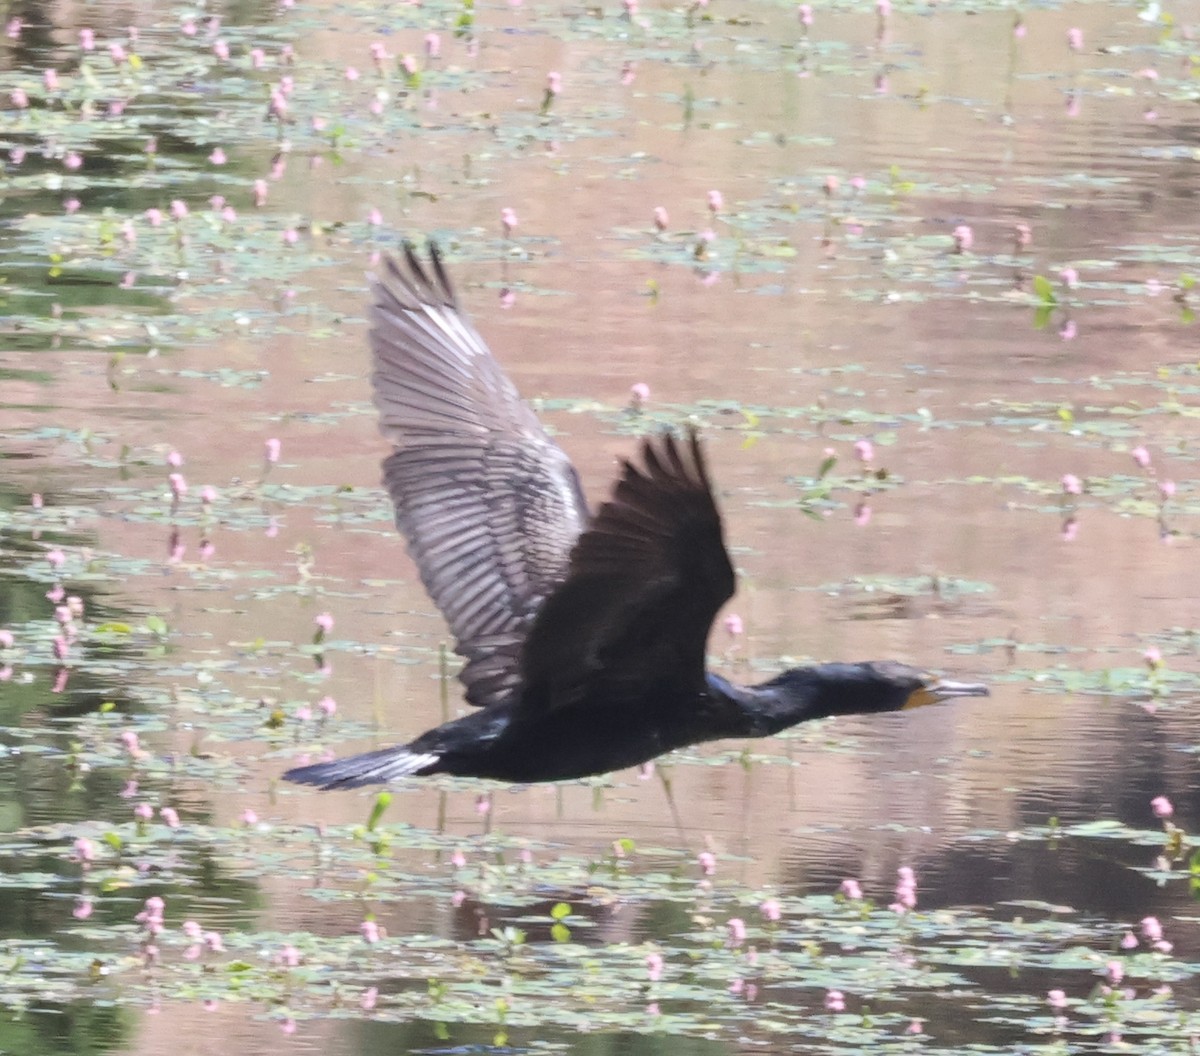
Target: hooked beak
<point>937,690</point>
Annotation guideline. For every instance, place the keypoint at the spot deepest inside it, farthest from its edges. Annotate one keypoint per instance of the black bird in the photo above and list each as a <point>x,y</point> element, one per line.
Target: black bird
<point>584,636</point>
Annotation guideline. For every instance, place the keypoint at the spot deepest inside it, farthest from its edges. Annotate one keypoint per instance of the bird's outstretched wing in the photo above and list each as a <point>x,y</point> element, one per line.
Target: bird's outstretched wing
<point>646,580</point>
<point>489,505</point>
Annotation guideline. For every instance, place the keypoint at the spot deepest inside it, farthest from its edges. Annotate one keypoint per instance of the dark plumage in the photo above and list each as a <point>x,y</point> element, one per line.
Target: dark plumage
<point>584,637</point>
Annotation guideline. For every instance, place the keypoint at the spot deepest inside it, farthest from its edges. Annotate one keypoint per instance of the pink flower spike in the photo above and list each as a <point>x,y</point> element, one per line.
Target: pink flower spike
<point>1141,456</point>
<point>661,218</point>
<point>1056,999</point>
<point>736,929</point>
<point>260,193</point>
<point>433,45</point>
<point>1075,38</point>
<point>324,622</point>
<point>327,706</point>
<point>221,49</point>
<point>864,450</point>
<point>1071,484</point>
<point>835,1001</point>
<point>212,939</point>
<point>1115,971</point>
<point>1162,807</point>
<point>1070,278</point>
<point>178,484</point>
<point>1151,929</point>
<point>771,909</point>
<point>217,157</point>
<point>654,967</point>
<point>733,625</point>
<point>273,448</point>
<point>249,818</point>
<point>85,851</point>
<point>179,209</point>
<point>83,909</point>
<point>369,997</point>
<point>6,639</point>
<point>1129,941</point>
<point>458,859</point>
<point>170,817</point>
<point>369,930</point>
<point>508,220</point>
<point>87,39</point>
<point>1166,488</point>
<point>852,890</point>
<point>352,73</point>
<point>1153,657</point>
<point>154,217</point>
<point>50,80</point>
<point>639,394</point>
<point>964,238</point>
<point>708,862</point>
<point>805,12</point>
<point>72,160</point>
<point>716,202</point>
<point>20,98</point>
<point>143,812</point>
<point>554,82</point>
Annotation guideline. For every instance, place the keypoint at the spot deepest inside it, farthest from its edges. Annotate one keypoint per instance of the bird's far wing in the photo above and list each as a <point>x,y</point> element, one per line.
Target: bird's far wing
<point>645,582</point>
<point>489,505</point>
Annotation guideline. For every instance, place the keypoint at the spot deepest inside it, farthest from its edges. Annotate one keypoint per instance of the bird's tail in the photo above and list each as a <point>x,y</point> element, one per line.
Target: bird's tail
<point>370,768</point>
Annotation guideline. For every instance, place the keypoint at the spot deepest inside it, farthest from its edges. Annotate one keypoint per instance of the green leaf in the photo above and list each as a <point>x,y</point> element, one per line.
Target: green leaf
<point>114,627</point>
<point>1043,288</point>
<point>382,802</point>
<point>1041,318</point>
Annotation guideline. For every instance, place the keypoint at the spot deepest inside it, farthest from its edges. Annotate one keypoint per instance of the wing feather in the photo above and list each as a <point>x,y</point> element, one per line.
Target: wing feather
<point>489,505</point>
<point>646,580</point>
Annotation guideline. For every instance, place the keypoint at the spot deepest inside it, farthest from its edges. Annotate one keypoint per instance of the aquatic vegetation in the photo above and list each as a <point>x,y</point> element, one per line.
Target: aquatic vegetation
<point>925,275</point>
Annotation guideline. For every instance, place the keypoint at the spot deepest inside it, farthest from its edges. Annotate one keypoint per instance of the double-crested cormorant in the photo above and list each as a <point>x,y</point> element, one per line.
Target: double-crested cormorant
<point>584,637</point>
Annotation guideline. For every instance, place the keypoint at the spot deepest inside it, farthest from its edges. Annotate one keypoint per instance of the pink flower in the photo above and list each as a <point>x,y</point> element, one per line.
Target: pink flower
<point>170,817</point>
<point>654,967</point>
<point>1162,807</point>
<point>20,98</point>
<point>1141,456</point>
<point>708,862</point>
<point>178,484</point>
<point>835,1001</point>
<point>85,851</point>
<point>324,622</point>
<point>1070,278</point>
<point>852,890</point>
<point>554,82</point>
<point>154,217</point>
<point>736,929</point>
<point>50,80</point>
<point>192,930</point>
<point>221,49</point>
<point>6,639</point>
<point>1071,484</point>
<point>1151,929</point>
<point>212,940</point>
<point>806,14</point>
<point>1075,38</point>
<point>273,447</point>
<point>249,817</point>
<point>369,997</point>
<point>716,202</point>
<point>661,218</point>
<point>179,209</point>
<point>217,157</point>
<point>433,45</point>
<point>83,909</point>
<point>1128,941</point>
<point>1166,488</point>
<point>733,625</point>
<point>771,909</point>
<point>72,160</point>
<point>289,957</point>
<point>508,220</point>
<point>258,58</point>
<point>964,238</point>
<point>1153,657</point>
<point>458,859</point>
<point>639,393</point>
<point>143,812</point>
<point>369,930</point>
<point>327,706</point>
<point>1115,971</point>
<point>864,450</point>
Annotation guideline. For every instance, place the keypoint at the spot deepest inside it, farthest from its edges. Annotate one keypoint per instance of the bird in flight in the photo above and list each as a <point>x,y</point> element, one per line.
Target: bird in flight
<point>583,634</point>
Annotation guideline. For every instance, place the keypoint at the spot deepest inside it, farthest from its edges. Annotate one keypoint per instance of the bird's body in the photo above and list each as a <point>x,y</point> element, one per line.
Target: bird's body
<point>584,637</point>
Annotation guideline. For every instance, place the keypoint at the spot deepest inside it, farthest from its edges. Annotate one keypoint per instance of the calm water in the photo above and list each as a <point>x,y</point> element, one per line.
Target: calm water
<point>830,306</point>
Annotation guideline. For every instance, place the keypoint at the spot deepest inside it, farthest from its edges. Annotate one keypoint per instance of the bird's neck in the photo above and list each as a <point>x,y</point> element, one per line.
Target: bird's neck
<point>771,706</point>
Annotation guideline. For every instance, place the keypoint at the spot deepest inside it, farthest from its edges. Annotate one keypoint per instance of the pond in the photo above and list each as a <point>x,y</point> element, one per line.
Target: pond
<point>922,275</point>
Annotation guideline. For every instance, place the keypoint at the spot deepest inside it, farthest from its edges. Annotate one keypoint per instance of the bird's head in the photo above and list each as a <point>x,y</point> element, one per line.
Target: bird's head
<point>866,688</point>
